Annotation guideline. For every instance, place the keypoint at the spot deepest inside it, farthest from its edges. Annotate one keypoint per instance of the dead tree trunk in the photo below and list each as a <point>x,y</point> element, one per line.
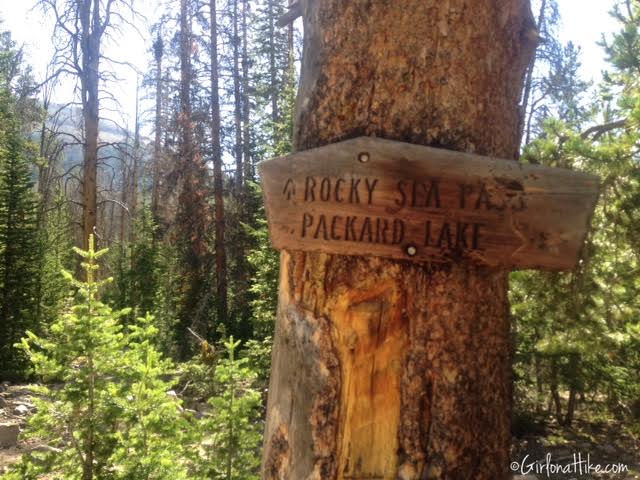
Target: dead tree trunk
<point>385,369</point>
<point>92,29</point>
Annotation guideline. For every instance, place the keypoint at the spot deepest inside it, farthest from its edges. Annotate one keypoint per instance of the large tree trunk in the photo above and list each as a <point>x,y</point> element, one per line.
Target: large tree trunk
<point>386,369</point>
<point>90,46</point>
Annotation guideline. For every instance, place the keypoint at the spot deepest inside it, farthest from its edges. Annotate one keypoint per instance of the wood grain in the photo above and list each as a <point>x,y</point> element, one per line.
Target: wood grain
<point>411,202</point>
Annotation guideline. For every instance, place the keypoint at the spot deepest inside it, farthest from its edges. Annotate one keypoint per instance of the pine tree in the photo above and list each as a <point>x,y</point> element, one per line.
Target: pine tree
<point>111,416</point>
<point>18,238</point>
<point>575,331</point>
<point>54,242</point>
<point>134,265</point>
<point>232,432</point>
<point>194,216</point>
<point>552,85</point>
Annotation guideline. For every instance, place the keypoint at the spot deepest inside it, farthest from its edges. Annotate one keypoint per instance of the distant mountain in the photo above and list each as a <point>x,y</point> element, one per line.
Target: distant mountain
<point>68,119</point>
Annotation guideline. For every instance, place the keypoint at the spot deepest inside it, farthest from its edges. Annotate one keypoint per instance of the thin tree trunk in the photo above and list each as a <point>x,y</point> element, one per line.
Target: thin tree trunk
<point>573,391</point>
<point>555,394</point>
<point>124,198</point>
<point>539,383</point>
<point>44,171</point>
<point>246,105</point>
<point>384,369</point>
<point>133,207</point>
<point>528,83</point>
<point>218,185</point>
<point>237,99</point>
<point>186,128</point>
<point>291,47</point>
<point>272,62</point>
<point>184,219</point>
<point>571,408</point>
<point>158,52</point>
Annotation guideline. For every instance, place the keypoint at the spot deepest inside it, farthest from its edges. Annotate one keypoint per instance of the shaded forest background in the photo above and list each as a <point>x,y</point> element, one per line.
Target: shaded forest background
<point>185,295</point>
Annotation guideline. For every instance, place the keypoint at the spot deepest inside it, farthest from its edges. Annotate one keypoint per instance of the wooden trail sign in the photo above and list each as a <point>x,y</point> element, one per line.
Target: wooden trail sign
<point>369,196</point>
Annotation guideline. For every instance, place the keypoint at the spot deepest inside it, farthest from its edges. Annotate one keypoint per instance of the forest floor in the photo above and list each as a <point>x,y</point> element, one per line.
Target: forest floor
<point>590,442</point>
<point>569,451</point>
<point>16,404</point>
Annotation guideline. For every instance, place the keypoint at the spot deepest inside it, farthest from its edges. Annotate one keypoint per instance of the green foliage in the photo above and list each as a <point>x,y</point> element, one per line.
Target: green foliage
<point>54,242</point>
<point>167,298</point>
<point>151,433</point>
<point>258,354</point>
<point>17,80</point>
<point>240,218</point>
<point>136,280</point>
<point>144,253</point>
<point>232,431</point>
<point>18,238</point>
<point>574,330</point>
<point>265,261</point>
<point>553,86</point>
<point>108,414</point>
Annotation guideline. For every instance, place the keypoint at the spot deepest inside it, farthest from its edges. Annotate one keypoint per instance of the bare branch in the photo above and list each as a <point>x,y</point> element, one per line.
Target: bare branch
<point>599,130</point>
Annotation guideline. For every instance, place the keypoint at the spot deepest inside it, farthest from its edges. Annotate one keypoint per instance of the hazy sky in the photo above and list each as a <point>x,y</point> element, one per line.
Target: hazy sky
<point>29,26</point>
<point>583,22</point>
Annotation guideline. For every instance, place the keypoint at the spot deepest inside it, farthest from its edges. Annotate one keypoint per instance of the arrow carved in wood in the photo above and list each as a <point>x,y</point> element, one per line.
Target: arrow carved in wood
<point>289,189</point>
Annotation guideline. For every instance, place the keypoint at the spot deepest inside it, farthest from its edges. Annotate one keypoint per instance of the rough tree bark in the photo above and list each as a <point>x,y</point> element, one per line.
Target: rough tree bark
<point>92,29</point>
<point>384,369</point>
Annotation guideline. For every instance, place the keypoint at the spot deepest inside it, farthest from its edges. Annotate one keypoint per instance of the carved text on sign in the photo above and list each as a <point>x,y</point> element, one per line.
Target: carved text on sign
<point>409,201</point>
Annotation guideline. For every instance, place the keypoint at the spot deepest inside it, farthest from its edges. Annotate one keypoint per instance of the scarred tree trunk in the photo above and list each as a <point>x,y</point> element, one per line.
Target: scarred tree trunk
<point>384,369</point>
